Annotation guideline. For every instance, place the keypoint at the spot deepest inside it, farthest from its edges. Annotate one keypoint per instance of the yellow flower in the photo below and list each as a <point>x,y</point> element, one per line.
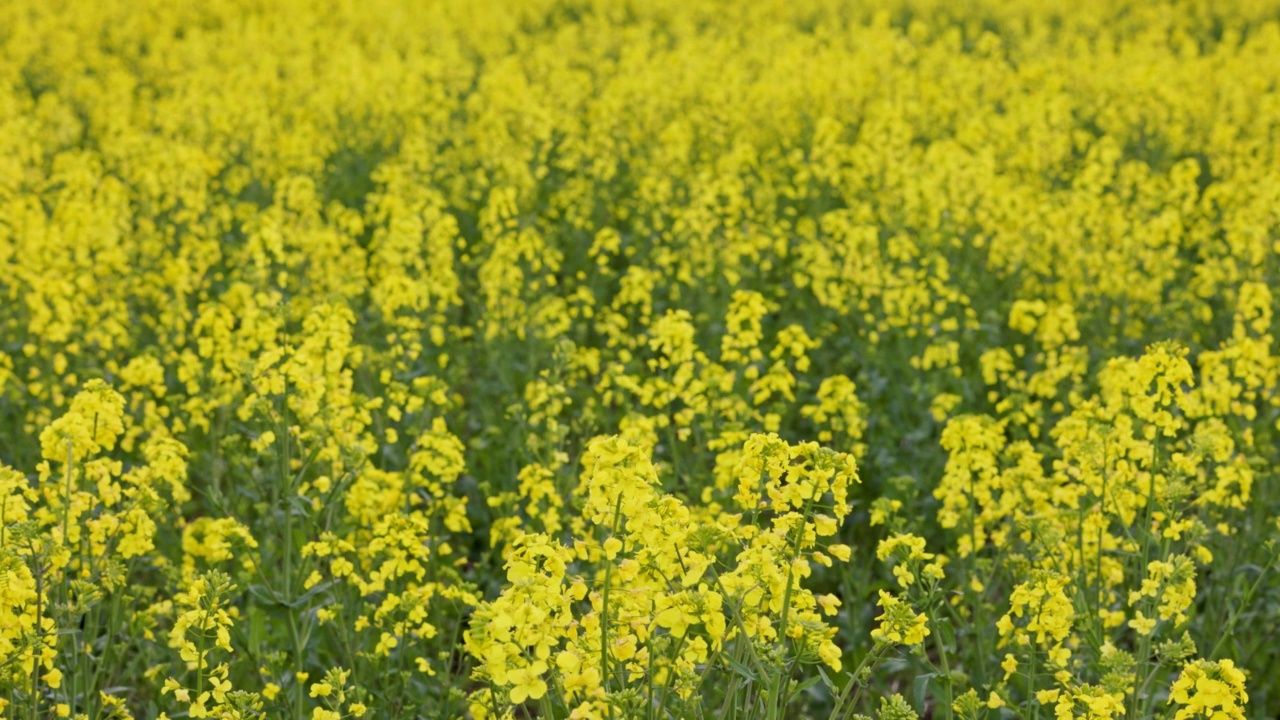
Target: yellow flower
<point>612,547</point>
<point>1142,624</point>
<point>527,682</point>
<point>1009,665</point>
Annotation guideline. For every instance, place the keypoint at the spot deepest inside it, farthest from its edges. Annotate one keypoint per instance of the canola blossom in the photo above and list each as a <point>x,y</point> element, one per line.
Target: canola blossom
<point>646,359</point>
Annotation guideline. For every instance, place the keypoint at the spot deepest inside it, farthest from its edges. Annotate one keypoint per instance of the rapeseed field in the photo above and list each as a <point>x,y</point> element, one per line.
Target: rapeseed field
<point>639,359</point>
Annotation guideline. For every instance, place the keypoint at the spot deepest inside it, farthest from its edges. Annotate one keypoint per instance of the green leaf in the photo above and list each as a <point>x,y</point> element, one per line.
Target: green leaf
<point>919,688</point>
<point>257,627</point>
<point>948,634</point>
<point>808,683</point>
<point>827,681</point>
<point>741,669</point>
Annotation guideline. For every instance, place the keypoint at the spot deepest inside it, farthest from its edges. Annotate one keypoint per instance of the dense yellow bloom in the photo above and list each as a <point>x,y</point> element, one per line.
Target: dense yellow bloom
<point>1210,689</point>
<point>1039,611</point>
<point>1091,703</point>
<point>899,624</point>
<point>601,339</point>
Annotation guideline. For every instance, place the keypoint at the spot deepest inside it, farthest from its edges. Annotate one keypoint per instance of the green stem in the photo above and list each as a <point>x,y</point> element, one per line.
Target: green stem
<point>544,703</point>
<point>298,701</point>
<point>946,671</point>
<point>35,659</point>
<point>204,627</point>
<point>604,606</point>
<point>1031,683</point>
<point>779,681</point>
<point>66,542</point>
<point>869,661</point>
<point>1234,615</point>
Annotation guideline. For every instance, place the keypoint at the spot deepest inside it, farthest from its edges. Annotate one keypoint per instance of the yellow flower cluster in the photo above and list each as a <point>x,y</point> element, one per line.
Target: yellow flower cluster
<point>675,592</point>
<point>1101,527</point>
<point>569,358</point>
<point>1209,689</point>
